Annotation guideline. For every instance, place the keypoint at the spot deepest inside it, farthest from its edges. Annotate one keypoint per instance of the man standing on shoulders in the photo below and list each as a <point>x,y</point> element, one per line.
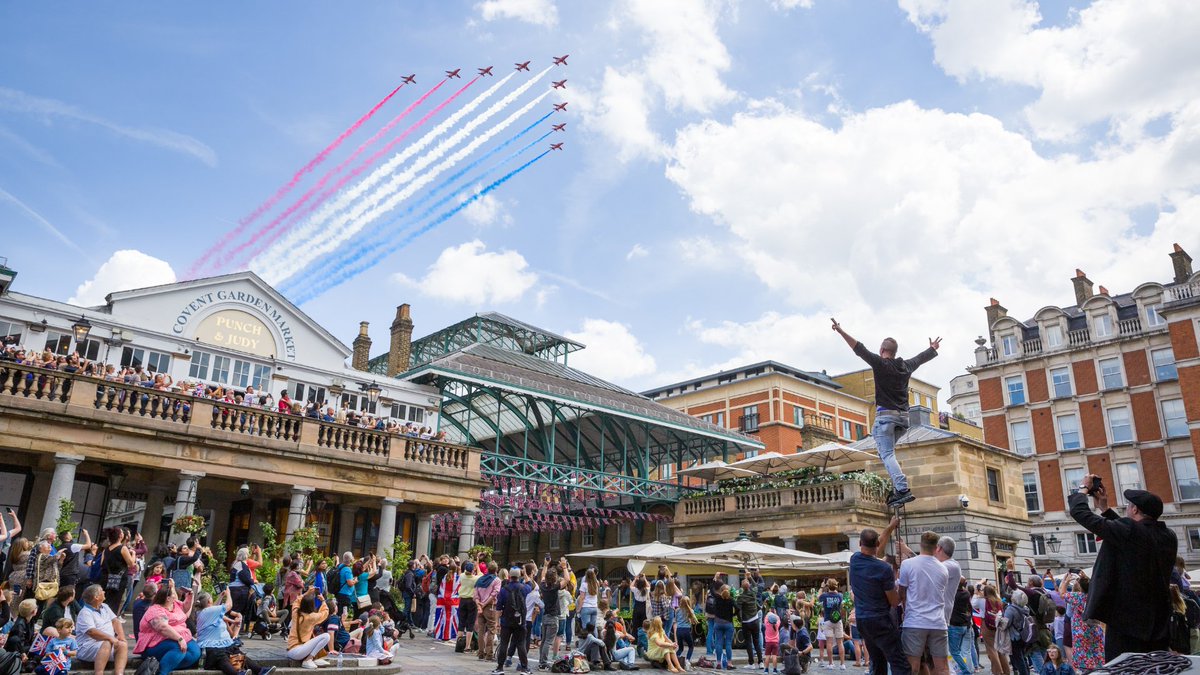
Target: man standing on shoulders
<point>1130,580</point>
<point>874,587</point>
<point>891,401</point>
<point>922,582</point>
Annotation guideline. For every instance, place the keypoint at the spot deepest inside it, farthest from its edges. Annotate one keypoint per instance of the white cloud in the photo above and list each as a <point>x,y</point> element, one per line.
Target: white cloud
<point>470,274</point>
<point>487,210</point>
<point>125,270</point>
<point>638,251</point>
<point>792,4</point>
<point>19,101</point>
<point>703,252</point>
<point>686,56</point>
<point>902,220</point>
<point>621,113</point>
<point>537,12</point>
<point>613,352</point>
<point>1121,61</point>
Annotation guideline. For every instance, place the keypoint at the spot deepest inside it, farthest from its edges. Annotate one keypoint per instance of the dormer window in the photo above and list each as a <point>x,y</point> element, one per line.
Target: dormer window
<point>1008,345</point>
<point>1054,335</point>
<point>1153,318</point>
<point>1102,326</point>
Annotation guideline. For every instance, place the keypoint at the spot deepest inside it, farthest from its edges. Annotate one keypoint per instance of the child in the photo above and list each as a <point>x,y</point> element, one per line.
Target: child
<point>685,616</point>
<point>660,648</point>
<point>771,642</point>
<point>21,634</point>
<point>60,650</point>
<point>1055,664</point>
<point>1059,625</point>
<point>643,638</point>
<point>268,618</point>
<point>804,645</point>
<point>373,641</point>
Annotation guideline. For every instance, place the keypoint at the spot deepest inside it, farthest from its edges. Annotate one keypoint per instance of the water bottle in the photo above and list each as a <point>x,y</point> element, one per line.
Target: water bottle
<point>339,660</point>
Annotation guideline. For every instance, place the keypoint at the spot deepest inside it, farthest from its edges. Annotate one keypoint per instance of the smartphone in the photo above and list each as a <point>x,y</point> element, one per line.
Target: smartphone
<point>1075,570</point>
<point>1097,484</point>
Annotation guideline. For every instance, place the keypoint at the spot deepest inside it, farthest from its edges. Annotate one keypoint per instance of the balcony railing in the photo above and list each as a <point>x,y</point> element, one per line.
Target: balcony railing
<point>831,496</point>
<point>131,403</point>
<point>1079,337</point>
<point>1129,326</point>
<point>1185,291</point>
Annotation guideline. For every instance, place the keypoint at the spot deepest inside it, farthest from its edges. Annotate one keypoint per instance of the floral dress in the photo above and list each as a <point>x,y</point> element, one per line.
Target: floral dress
<point>1088,636</point>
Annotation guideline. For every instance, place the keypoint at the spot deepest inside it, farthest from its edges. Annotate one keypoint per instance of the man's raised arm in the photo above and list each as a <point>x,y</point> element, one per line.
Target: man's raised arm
<point>862,352</point>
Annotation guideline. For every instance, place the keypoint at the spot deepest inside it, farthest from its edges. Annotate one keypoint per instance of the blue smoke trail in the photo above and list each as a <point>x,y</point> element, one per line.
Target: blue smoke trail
<point>350,274</point>
<point>336,261</point>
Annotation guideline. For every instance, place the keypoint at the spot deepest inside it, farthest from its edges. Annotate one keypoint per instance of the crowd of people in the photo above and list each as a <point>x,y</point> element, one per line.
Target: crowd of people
<point>247,396</point>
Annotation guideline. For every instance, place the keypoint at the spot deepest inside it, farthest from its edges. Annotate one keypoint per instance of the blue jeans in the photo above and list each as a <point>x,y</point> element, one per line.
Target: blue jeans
<point>170,658</point>
<point>626,655</point>
<point>710,645</point>
<point>956,635</point>
<point>889,427</point>
<point>683,636</point>
<point>722,631</point>
<point>587,616</point>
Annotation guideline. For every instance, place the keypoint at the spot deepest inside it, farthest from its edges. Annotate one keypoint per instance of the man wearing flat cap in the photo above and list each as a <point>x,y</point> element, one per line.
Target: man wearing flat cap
<point>1129,590</point>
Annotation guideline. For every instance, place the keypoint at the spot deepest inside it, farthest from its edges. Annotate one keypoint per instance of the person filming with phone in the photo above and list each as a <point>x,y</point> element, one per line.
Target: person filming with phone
<point>1130,581</point>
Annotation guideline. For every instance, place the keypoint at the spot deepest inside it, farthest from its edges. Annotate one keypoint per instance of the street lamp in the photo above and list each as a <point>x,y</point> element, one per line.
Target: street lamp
<point>373,391</point>
<point>81,327</point>
<point>1053,543</point>
<point>506,516</point>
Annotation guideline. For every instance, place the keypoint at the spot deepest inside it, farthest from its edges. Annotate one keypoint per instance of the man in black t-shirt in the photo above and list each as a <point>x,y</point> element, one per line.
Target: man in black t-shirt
<point>891,401</point>
<point>874,584</point>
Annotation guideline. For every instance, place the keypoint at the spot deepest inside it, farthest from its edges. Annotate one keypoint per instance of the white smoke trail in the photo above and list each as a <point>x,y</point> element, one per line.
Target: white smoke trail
<point>278,258</point>
<point>347,224</point>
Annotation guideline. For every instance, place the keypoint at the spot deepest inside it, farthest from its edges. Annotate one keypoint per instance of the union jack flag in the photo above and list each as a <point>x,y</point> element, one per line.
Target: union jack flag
<point>39,645</point>
<point>445,622</point>
<point>56,662</point>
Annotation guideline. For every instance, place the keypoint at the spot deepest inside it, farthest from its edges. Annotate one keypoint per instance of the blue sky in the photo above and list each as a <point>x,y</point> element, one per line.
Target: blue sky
<point>734,172</point>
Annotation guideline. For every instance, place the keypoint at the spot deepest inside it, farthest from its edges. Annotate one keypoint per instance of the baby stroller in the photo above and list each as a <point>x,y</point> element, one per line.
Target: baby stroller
<point>265,621</point>
<point>402,624</point>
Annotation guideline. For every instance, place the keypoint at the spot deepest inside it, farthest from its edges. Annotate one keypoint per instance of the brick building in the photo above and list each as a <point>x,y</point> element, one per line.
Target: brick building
<point>1109,385</point>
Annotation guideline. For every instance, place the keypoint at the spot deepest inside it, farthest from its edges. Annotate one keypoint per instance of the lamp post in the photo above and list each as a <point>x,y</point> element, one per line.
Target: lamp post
<point>373,391</point>
<point>1053,543</point>
<point>506,516</point>
<point>81,327</point>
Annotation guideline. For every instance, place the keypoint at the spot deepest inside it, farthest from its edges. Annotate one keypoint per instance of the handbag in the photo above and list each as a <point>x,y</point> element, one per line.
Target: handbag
<point>182,578</point>
<point>237,660</point>
<point>364,601</point>
<point>45,590</point>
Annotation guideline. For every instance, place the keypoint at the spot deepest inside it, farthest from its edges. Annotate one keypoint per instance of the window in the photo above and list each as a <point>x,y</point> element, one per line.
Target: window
<point>1054,336</point>
<point>1039,544</point>
<point>241,374</point>
<point>797,415</point>
<point>1022,444</point>
<point>1008,344</point>
<point>158,362</point>
<point>1174,418</point>
<point>1016,389</point>
<point>846,429</point>
<point>1193,537</point>
<point>860,432</point>
<point>199,367</point>
<point>1110,373</point>
<point>1060,381</point>
<point>1120,427</point>
<point>1073,477</point>
<point>1068,432</point>
<point>1153,318</point>
<point>662,532</point>
<point>397,411</point>
<point>58,343</point>
<point>155,362</point>
<point>1164,364</point>
<point>974,549</point>
<point>1186,481</point>
<point>555,540</point>
<point>11,330</point>
<point>993,483</point>
<point>1102,326</point>
<point>1128,478</point>
<point>220,369</point>
<point>624,534</point>
<point>525,542</point>
<point>90,349</point>
<point>1085,542</point>
<point>307,392</point>
<point>416,415</point>
<point>750,418</point>
<point>1033,503</point>
<point>587,538</point>
<point>667,471</point>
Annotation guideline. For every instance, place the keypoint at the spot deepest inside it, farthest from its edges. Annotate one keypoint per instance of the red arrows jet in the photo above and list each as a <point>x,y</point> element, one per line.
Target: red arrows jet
<point>561,84</point>
<point>561,60</point>
<point>523,66</point>
<point>411,79</point>
<point>561,106</point>
<point>451,74</point>
<point>485,71</point>
<point>560,127</point>
<point>556,146</point>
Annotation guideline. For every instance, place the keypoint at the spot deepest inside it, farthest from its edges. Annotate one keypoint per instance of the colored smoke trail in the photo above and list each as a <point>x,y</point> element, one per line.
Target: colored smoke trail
<point>369,211</point>
<point>272,231</point>
<point>347,275</point>
<point>276,263</point>
<point>336,263</point>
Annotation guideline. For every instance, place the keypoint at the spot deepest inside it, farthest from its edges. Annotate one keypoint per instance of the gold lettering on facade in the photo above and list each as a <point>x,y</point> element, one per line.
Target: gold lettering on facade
<point>237,330</point>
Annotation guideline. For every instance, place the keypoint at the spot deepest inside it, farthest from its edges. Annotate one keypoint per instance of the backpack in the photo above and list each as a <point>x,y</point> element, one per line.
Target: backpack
<point>1179,633</point>
<point>514,609</point>
<point>562,664</point>
<point>96,571</point>
<point>1047,610</point>
<point>1193,612</point>
<point>148,666</point>
<point>333,580</point>
<point>1022,629</point>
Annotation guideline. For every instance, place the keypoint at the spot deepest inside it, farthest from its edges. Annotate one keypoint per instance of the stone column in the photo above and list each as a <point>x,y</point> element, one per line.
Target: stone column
<point>185,500</point>
<point>387,525</point>
<point>466,535</point>
<point>789,543</point>
<point>151,527</point>
<point>61,487</point>
<point>298,509</point>
<point>346,528</point>
<point>424,534</point>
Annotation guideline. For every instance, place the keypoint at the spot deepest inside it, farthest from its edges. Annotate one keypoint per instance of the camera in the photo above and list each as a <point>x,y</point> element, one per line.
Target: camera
<point>1097,484</point>
<point>963,501</point>
<point>245,489</point>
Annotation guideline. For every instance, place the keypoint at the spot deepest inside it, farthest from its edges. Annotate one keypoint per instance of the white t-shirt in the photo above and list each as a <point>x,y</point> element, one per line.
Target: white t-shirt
<point>978,604</point>
<point>924,580</point>
<point>90,617</point>
<point>953,574</point>
<point>588,599</point>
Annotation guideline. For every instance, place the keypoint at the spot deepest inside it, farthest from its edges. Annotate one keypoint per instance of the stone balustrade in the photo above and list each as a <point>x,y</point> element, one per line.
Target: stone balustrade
<point>833,496</point>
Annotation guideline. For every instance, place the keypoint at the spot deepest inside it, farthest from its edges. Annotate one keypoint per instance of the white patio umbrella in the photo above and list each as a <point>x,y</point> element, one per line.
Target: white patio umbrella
<point>744,552</point>
<point>652,551</point>
<point>715,470</point>
<point>768,462</point>
<point>833,454</point>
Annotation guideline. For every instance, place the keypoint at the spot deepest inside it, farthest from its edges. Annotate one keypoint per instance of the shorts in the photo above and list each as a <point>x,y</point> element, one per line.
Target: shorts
<point>916,640</point>
<point>833,630</point>
<point>771,649</point>
<point>88,651</point>
<point>854,632</point>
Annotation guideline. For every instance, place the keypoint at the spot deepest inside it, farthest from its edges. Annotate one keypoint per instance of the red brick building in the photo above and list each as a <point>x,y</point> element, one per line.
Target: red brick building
<point>1109,385</point>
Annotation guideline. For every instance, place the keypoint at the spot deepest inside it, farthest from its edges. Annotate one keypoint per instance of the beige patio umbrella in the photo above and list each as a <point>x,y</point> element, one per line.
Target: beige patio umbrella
<point>715,470</point>
<point>769,462</point>
<point>833,454</point>
<point>743,552</point>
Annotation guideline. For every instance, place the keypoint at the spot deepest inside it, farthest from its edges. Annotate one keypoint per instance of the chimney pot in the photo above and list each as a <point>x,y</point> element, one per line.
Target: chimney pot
<point>1103,290</point>
<point>1079,273</point>
<point>995,302</point>
<point>1083,287</point>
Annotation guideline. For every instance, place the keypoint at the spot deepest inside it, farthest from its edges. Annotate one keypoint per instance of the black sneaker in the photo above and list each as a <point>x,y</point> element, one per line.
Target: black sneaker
<point>900,498</point>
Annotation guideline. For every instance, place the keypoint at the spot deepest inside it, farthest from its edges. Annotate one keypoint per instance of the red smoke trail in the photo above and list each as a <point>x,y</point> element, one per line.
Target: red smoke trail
<point>273,232</point>
<point>287,187</point>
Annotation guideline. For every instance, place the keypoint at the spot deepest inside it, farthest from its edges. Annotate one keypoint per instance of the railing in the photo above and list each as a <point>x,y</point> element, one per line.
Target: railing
<point>198,416</point>
<point>1185,291</point>
<point>832,496</point>
<point>1031,346</point>
<point>1079,337</point>
<point>1129,326</point>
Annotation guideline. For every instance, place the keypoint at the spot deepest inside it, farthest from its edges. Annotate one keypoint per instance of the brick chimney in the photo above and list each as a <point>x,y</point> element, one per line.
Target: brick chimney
<point>1103,290</point>
<point>994,311</point>
<point>401,348</point>
<point>919,416</point>
<point>1083,287</point>
<point>362,348</point>
<point>1183,264</point>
